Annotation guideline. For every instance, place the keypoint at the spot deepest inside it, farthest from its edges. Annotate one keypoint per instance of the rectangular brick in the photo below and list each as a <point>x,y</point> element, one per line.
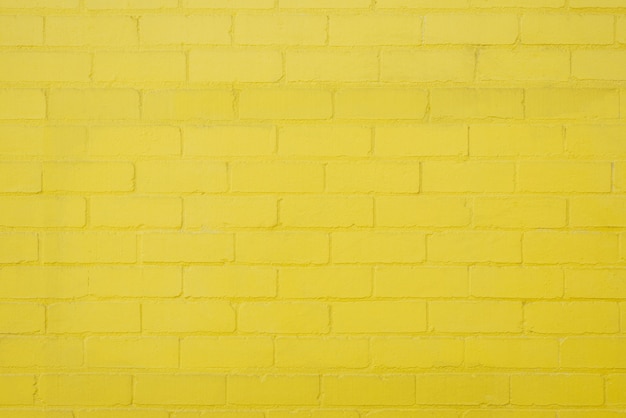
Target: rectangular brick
<point>596,283</point>
<point>130,4</point>
<point>408,211</point>
<point>620,30</point>
<point>44,66</point>
<point>515,140</point>
<point>136,212</point>
<point>323,354</point>
<point>225,212</point>
<point>235,65</point>
<point>27,282</point>
<point>581,247</point>
<point>567,29</point>
<point>557,389</point>
<point>131,352</point>
<point>181,176</point>
<point>512,352</point>
<point>571,317</point>
<point>20,30</point>
<point>615,385</point>
<point>277,177</point>
<point>427,65</point>
<point>462,389</point>
<point>598,65</point>
<point>472,103</point>
<point>132,281</point>
<point>326,211</point>
<point>100,104</point>
<point>369,29</point>
<point>188,105</point>
<point>475,316</point>
<point>282,247</point>
<point>39,4</point>
<point>230,282</point>
<point>178,247</point>
<point>122,413</point>
<point>324,282</point>
<point>580,103</point>
<point>392,390</point>
<point>378,317</point>
<point>217,141</point>
<point>272,390</point>
<point>516,282</point>
<point>475,246</point>
<point>17,389</point>
<point>598,211</point>
<point>89,247</point>
<point>420,140</point>
<point>88,176</point>
<point>419,4</point>
<point>324,140</point>
<point>323,4</point>
<point>42,211</point>
<point>593,352</point>
<point>283,318</point>
<point>110,31</point>
<point>185,317</point>
<point>134,140</point>
<point>518,3</point>
<point>285,103</point>
<point>18,247</point>
<point>280,29</point>
<point>221,352</point>
<point>523,64</point>
<point>22,317</point>
<point>416,352</point>
<point>24,177</point>
<point>229,4</point>
<point>619,176</point>
<point>140,66</point>
<point>481,29</point>
<point>102,316</point>
<point>335,65</point>
<point>526,212</point>
<point>378,103</point>
<point>22,104</point>
<point>564,176</point>
<point>594,140</point>
<point>185,30</point>
<point>378,176</point>
<point>420,282</point>
<point>378,247</point>
<point>179,389</point>
<point>41,351</point>
<point>43,141</point>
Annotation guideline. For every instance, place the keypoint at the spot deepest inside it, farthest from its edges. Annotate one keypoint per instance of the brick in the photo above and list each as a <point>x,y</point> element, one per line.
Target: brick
<point>326,211</point>
<point>131,281</point>
<point>525,64</point>
<point>177,247</point>
<point>123,413</point>
<point>564,176</point>
<point>277,177</point>
<point>22,104</point>
<point>375,30</point>
<point>378,176</point>
<point>103,316</point>
<point>472,103</point>
<point>581,103</point>
<point>475,316</point>
<point>20,30</point>
<point>418,4</point>
<point>615,385</point>
<point>594,140</point>
<point>131,352</point>
<point>17,389</point>
<point>89,247</point>
<point>188,105</point>
<point>508,140</point>
<point>620,32</point>
<point>272,390</point>
<point>598,211</point>
<point>581,247</point>
<point>88,176</point>
<point>130,4</point>
<point>475,246</point>
<point>179,389</point>
<point>571,317</point>
<point>378,103</point>
<point>42,141</point>
<point>101,104</point>
<point>217,413</point>
<point>18,247</point>
<point>26,282</point>
<point>619,180</point>
<point>22,318</point>
<point>409,211</point>
<point>507,352</point>
<point>517,413</point>
<point>230,282</point>
<point>107,31</point>
<point>140,66</point>
<point>44,66</point>
<point>416,352</point>
<point>598,65</point>
<point>324,282</point>
<point>85,389</point>
<point>235,65</point>
<point>42,211</point>
<point>225,212</point>
<point>526,212</point>
<point>183,317</point>
<point>597,4</point>
<point>516,282</point>
<point>283,318</point>
<point>368,390</point>
<point>24,177</point>
<point>181,176</point>
<point>593,352</point>
<point>460,389</point>
<point>427,65</point>
<point>41,351</point>
<point>136,212</point>
<point>518,3</point>
<point>557,389</point>
<point>324,354</point>
<point>401,282</point>
<point>185,30</point>
<point>134,140</point>
<point>413,413</point>
<point>324,141</point>
<point>221,352</point>
<point>280,29</point>
<point>40,4</point>
<point>595,283</point>
<point>323,4</point>
<point>378,317</point>
<point>420,140</point>
<point>282,247</point>
<point>480,29</point>
<point>566,29</point>
<point>336,65</point>
<point>378,247</point>
<point>217,141</point>
<point>285,103</point>
<point>229,4</point>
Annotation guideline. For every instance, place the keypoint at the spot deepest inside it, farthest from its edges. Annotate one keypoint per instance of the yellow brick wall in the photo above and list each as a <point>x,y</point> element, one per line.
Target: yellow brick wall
<point>312,209</point>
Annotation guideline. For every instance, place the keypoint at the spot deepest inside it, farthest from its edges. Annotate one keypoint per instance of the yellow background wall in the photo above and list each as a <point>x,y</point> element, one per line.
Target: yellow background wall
<point>313,208</point>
